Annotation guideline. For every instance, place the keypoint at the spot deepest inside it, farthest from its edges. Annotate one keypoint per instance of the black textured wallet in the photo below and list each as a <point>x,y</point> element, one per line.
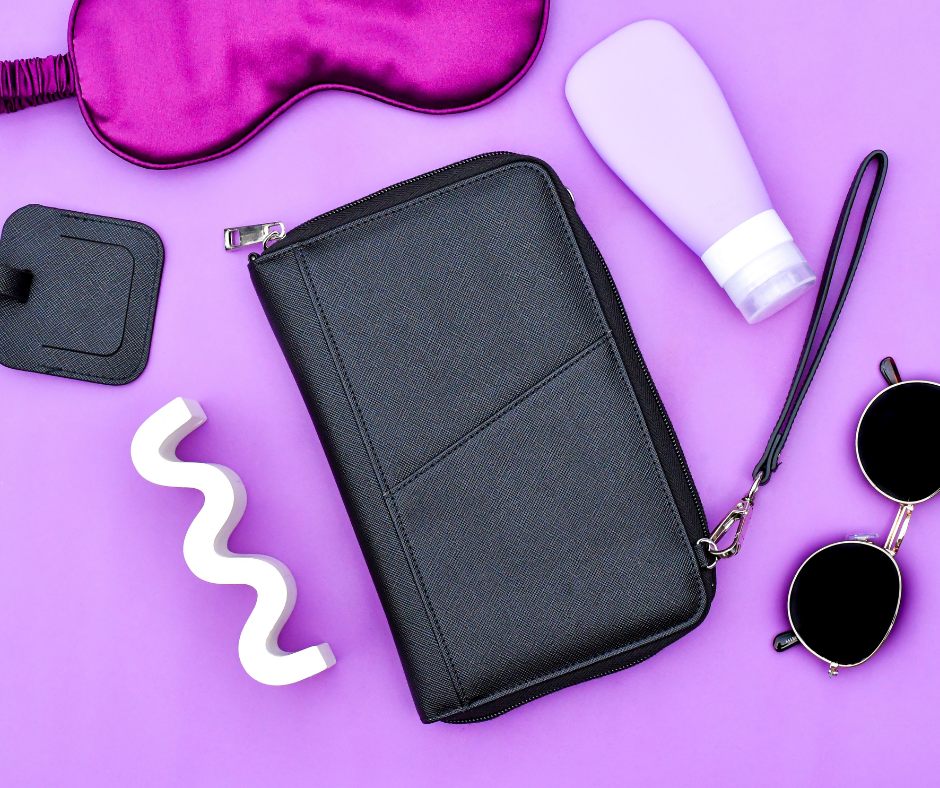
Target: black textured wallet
<point>513,479</point>
<point>78,294</point>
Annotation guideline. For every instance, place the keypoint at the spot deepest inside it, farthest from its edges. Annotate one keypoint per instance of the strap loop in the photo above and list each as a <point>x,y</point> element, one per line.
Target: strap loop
<point>737,518</point>
<point>15,283</point>
<point>806,368</point>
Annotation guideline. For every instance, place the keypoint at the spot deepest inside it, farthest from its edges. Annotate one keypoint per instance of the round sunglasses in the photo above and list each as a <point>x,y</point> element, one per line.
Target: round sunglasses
<point>845,597</point>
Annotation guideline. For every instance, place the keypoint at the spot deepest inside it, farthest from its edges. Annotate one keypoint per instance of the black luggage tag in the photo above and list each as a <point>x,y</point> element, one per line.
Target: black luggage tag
<point>78,294</point>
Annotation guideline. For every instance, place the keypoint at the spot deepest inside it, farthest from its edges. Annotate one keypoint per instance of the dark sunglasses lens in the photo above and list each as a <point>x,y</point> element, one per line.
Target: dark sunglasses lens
<point>899,441</point>
<point>844,600</point>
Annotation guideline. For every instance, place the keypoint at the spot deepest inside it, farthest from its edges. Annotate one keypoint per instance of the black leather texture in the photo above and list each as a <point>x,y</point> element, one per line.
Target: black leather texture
<point>516,486</point>
<point>92,291</point>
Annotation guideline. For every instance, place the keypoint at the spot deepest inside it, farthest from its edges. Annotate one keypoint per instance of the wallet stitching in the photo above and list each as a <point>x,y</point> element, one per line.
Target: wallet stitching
<point>592,295</point>
<point>504,411</point>
<point>397,519</point>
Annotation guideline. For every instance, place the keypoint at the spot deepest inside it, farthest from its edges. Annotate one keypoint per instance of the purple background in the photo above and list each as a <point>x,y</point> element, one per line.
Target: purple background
<point>119,667</point>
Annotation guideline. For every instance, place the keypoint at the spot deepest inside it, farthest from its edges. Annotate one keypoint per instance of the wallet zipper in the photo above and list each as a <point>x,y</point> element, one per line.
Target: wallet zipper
<point>249,235</point>
<point>264,234</point>
<point>298,233</point>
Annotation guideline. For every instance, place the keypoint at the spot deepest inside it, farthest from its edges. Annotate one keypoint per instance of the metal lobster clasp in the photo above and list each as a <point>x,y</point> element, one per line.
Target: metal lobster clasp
<point>737,518</point>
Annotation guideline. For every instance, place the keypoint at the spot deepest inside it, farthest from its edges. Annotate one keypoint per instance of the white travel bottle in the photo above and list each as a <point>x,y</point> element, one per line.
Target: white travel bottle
<point>654,112</point>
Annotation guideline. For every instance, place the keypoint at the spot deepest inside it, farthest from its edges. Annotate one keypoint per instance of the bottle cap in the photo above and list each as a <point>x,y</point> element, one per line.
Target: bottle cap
<point>759,266</point>
<point>770,282</point>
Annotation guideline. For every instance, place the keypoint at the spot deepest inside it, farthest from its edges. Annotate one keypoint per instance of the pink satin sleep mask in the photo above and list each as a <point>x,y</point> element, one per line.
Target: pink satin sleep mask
<point>166,83</point>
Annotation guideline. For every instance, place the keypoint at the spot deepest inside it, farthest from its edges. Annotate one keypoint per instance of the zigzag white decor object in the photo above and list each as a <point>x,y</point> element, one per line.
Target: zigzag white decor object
<point>205,547</point>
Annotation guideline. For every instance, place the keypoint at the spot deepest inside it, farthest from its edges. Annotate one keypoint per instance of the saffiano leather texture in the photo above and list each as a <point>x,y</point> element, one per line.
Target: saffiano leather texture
<point>88,310</point>
<point>513,479</point>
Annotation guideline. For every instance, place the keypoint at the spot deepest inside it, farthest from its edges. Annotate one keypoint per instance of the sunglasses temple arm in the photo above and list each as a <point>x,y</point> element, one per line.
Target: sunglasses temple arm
<point>785,640</point>
<point>889,371</point>
<point>899,528</point>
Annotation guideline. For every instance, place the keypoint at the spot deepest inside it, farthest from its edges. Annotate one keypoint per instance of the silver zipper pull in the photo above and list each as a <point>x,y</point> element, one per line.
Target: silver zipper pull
<point>264,234</point>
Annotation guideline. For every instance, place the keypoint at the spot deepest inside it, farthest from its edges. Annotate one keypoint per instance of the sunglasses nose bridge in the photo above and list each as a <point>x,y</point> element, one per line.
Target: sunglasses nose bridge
<point>899,528</point>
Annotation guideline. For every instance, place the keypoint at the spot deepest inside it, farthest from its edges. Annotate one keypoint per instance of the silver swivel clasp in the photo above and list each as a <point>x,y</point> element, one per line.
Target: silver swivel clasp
<point>737,518</point>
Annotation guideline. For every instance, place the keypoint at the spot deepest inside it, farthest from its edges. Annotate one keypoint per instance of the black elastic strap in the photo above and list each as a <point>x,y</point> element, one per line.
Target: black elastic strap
<point>804,375</point>
<point>14,283</point>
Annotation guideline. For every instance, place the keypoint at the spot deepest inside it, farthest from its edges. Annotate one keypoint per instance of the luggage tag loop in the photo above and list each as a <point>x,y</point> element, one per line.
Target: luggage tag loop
<point>15,283</point>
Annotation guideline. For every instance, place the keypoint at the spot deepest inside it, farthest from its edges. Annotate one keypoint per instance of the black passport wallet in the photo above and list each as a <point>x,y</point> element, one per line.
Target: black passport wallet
<point>514,481</point>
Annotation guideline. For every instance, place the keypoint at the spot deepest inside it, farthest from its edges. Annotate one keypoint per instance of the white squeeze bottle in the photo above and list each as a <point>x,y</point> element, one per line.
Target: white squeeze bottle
<point>655,114</point>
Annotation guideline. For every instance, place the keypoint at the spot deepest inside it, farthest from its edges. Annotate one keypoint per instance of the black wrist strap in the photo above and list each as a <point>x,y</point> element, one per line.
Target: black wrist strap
<point>806,368</point>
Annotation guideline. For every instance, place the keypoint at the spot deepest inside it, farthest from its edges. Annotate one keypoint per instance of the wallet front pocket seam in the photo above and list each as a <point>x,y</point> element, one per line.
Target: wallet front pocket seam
<point>605,341</point>
<point>391,505</point>
<point>504,411</point>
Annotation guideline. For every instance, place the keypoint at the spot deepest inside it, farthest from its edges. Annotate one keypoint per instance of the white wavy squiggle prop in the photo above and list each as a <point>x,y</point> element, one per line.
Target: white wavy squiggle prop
<point>205,547</point>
